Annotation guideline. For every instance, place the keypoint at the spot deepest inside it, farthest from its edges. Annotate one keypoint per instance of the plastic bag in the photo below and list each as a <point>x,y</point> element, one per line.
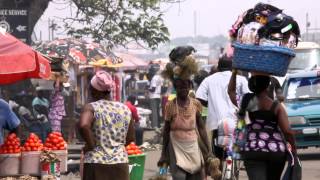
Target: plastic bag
<point>226,129</point>
<point>162,174</point>
<point>294,168</point>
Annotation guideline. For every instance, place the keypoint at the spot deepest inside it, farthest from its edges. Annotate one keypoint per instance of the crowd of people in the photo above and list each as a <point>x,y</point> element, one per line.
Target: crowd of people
<point>192,105</point>
<point>40,111</point>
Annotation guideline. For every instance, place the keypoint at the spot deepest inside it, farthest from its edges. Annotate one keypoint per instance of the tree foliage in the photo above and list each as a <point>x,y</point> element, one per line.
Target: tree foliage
<point>119,21</point>
<point>116,22</point>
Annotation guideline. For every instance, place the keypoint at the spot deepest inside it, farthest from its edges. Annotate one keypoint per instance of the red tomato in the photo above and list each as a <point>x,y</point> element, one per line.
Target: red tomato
<point>128,148</point>
<point>16,150</point>
<point>130,152</point>
<point>52,136</point>
<point>28,148</point>
<point>58,134</point>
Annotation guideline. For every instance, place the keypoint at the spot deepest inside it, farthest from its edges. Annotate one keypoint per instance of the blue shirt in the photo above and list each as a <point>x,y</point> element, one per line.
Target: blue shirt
<point>8,119</point>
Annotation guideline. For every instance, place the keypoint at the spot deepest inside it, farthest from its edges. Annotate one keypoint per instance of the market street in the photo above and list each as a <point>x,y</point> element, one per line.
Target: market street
<point>310,159</point>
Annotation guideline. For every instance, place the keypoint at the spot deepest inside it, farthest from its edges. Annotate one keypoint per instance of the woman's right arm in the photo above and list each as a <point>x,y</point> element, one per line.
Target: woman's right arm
<point>165,145</point>
<point>232,87</point>
<point>285,127</point>
<point>85,123</point>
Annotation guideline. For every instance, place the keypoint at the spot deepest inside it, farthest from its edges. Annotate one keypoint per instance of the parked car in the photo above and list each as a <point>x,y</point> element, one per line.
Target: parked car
<point>302,101</point>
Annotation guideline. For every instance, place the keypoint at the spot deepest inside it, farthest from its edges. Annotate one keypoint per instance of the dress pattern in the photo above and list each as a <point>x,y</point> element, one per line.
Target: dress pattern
<point>57,111</point>
<point>110,129</point>
<point>264,134</point>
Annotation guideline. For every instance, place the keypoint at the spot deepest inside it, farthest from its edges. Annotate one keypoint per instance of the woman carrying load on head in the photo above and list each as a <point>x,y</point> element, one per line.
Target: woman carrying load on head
<point>186,147</point>
<point>268,132</point>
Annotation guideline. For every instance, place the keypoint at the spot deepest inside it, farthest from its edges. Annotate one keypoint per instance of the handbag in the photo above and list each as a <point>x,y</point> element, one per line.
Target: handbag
<point>240,133</point>
<point>294,168</point>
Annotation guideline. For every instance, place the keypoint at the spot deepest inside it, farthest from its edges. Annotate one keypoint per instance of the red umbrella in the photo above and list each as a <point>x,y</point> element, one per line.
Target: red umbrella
<point>19,61</point>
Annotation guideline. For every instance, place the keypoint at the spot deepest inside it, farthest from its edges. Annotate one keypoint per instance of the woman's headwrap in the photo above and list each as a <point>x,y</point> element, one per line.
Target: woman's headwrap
<point>102,81</point>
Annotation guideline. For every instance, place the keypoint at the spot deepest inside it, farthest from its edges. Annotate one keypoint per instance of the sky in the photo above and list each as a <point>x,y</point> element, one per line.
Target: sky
<point>213,17</point>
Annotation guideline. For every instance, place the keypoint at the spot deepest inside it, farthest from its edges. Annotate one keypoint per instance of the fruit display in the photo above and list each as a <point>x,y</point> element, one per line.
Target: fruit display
<point>11,145</point>
<point>55,141</point>
<point>133,149</point>
<point>33,143</point>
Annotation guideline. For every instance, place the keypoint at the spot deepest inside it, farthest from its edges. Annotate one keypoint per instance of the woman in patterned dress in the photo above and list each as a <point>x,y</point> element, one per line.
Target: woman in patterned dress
<point>268,132</point>
<point>106,127</point>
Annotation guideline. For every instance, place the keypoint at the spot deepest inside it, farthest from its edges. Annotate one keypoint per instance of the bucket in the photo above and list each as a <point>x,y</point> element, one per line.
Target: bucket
<point>10,164</point>
<point>30,163</point>
<point>136,166</point>
<point>63,157</point>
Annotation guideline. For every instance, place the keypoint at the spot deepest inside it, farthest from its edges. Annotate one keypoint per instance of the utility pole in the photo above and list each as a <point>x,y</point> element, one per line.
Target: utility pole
<point>49,34</point>
<point>307,26</point>
<point>195,23</point>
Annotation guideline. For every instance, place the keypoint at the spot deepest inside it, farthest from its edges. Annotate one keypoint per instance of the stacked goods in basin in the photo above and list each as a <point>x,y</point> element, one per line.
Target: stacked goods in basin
<point>10,156</point>
<point>30,156</point>
<point>133,149</point>
<point>136,161</point>
<point>58,145</point>
<point>263,39</point>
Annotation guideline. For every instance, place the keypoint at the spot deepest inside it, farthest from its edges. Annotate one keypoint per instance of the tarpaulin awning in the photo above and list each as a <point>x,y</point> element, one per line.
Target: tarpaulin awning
<point>19,61</point>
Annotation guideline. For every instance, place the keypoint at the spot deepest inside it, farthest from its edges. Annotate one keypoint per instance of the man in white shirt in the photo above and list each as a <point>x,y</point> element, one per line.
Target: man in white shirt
<point>155,99</point>
<point>213,93</point>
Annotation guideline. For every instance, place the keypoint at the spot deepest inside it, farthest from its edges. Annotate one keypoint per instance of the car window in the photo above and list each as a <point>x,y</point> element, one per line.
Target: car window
<point>303,88</point>
<point>305,59</point>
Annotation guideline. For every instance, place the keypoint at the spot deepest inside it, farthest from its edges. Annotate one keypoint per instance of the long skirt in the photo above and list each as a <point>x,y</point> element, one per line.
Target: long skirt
<point>106,171</point>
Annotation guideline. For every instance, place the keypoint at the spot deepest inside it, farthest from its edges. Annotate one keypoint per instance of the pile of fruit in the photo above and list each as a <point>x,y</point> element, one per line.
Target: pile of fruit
<point>133,149</point>
<point>55,141</point>
<point>11,145</point>
<point>33,143</point>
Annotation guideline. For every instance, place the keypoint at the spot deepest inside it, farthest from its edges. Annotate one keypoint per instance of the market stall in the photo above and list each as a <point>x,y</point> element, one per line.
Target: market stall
<point>19,61</point>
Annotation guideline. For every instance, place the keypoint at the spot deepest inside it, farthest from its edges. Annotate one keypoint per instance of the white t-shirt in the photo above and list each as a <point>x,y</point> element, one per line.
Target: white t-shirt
<point>156,82</point>
<point>214,89</point>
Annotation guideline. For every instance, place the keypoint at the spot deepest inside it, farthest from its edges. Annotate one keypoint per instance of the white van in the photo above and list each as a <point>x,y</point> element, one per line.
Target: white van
<point>307,57</point>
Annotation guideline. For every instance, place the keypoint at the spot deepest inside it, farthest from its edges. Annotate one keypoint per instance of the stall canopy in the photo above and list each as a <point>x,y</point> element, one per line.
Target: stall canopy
<point>77,51</point>
<point>131,62</point>
<point>19,61</point>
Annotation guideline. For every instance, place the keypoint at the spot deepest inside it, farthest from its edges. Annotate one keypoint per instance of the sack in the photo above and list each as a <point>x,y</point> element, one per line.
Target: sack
<point>294,168</point>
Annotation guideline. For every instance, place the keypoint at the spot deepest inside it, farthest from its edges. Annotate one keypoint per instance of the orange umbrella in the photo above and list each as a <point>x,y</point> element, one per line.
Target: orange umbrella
<point>19,61</point>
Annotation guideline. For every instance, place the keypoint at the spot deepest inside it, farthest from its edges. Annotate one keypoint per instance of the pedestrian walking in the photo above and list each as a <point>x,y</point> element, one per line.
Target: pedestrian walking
<point>185,143</point>
<point>265,147</point>
<point>106,127</point>
<point>213,93</point>
<point>155,99</point>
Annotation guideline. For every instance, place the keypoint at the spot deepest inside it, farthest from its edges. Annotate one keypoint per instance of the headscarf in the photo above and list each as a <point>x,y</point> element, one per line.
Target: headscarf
<point>102,81</point>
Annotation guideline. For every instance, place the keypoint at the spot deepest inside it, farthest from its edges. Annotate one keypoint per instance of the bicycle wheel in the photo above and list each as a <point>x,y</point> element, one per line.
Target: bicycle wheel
<point>236,167</point>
